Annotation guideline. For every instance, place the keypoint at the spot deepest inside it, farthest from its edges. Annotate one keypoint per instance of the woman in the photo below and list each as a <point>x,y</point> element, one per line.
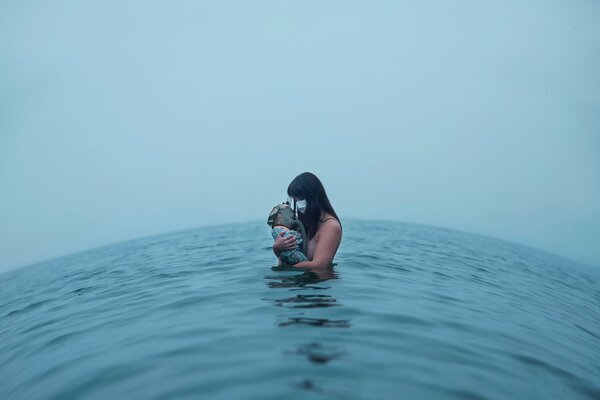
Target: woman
<point>323,227</point>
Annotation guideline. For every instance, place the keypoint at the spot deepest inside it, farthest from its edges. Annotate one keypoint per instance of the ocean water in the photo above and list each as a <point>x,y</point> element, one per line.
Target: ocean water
<point>408,312</point>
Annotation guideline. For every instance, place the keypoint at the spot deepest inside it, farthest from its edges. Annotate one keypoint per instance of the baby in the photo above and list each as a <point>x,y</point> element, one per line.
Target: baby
<point>281,219</point>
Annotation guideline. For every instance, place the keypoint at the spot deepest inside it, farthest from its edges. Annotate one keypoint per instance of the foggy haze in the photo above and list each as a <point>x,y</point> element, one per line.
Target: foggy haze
<point>120,120</point>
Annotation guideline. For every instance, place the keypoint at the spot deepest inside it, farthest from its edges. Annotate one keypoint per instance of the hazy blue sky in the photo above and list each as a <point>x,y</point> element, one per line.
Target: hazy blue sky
<point>123,119</point>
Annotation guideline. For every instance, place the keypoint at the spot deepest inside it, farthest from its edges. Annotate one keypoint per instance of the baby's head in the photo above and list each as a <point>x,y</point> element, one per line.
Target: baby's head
<point>282,215</point>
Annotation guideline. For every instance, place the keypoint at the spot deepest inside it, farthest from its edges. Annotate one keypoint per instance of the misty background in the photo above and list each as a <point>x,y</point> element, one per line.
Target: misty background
<point>125,119</point>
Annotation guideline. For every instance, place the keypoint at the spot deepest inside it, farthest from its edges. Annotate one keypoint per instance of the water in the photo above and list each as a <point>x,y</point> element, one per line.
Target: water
<point>408,312</point>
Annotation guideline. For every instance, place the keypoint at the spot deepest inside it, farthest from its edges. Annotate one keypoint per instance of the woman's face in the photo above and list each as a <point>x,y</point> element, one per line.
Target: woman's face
<point>300,203</point>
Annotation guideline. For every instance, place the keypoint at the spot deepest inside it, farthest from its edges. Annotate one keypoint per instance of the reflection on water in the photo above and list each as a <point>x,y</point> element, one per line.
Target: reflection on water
<point>316,322</point>
<point>303,281</point>
<point>315,352</point>
<point>307,301</point>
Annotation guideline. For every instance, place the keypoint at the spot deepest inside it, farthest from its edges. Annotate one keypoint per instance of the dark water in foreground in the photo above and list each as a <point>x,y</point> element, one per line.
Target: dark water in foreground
<point>409,312</point>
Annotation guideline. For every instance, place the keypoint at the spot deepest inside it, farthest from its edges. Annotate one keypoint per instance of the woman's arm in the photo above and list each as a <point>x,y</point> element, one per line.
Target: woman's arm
<point>283,243</point>
<point>330,236</point>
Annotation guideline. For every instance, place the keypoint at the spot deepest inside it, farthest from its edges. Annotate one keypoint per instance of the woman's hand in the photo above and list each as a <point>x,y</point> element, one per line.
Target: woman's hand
<point>283,243</point>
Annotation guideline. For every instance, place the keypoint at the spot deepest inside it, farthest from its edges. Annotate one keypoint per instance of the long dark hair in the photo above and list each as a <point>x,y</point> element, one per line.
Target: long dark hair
<point>308,186</point>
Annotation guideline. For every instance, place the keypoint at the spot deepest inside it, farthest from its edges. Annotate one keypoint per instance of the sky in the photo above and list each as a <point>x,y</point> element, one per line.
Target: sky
<point>125,119</point>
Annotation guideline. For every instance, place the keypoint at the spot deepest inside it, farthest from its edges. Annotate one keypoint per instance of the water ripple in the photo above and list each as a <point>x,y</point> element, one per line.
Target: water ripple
<point>410,311</point>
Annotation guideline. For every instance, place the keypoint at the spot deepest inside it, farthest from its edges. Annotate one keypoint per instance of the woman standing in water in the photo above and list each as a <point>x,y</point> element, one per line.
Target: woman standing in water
<point>323,227</point>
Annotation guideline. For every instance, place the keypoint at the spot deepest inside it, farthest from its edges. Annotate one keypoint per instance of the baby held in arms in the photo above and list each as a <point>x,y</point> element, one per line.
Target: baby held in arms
<point>281,219</point>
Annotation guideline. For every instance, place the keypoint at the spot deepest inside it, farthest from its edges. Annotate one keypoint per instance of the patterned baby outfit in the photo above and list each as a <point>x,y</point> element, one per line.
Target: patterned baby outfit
<point>294,256</point>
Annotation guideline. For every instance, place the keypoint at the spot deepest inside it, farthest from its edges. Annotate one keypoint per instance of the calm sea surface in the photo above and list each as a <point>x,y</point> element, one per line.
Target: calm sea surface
<point>408,312</point>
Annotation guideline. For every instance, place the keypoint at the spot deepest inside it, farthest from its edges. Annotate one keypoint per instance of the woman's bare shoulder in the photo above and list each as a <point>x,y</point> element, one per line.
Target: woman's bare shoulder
<point>330,225</point>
